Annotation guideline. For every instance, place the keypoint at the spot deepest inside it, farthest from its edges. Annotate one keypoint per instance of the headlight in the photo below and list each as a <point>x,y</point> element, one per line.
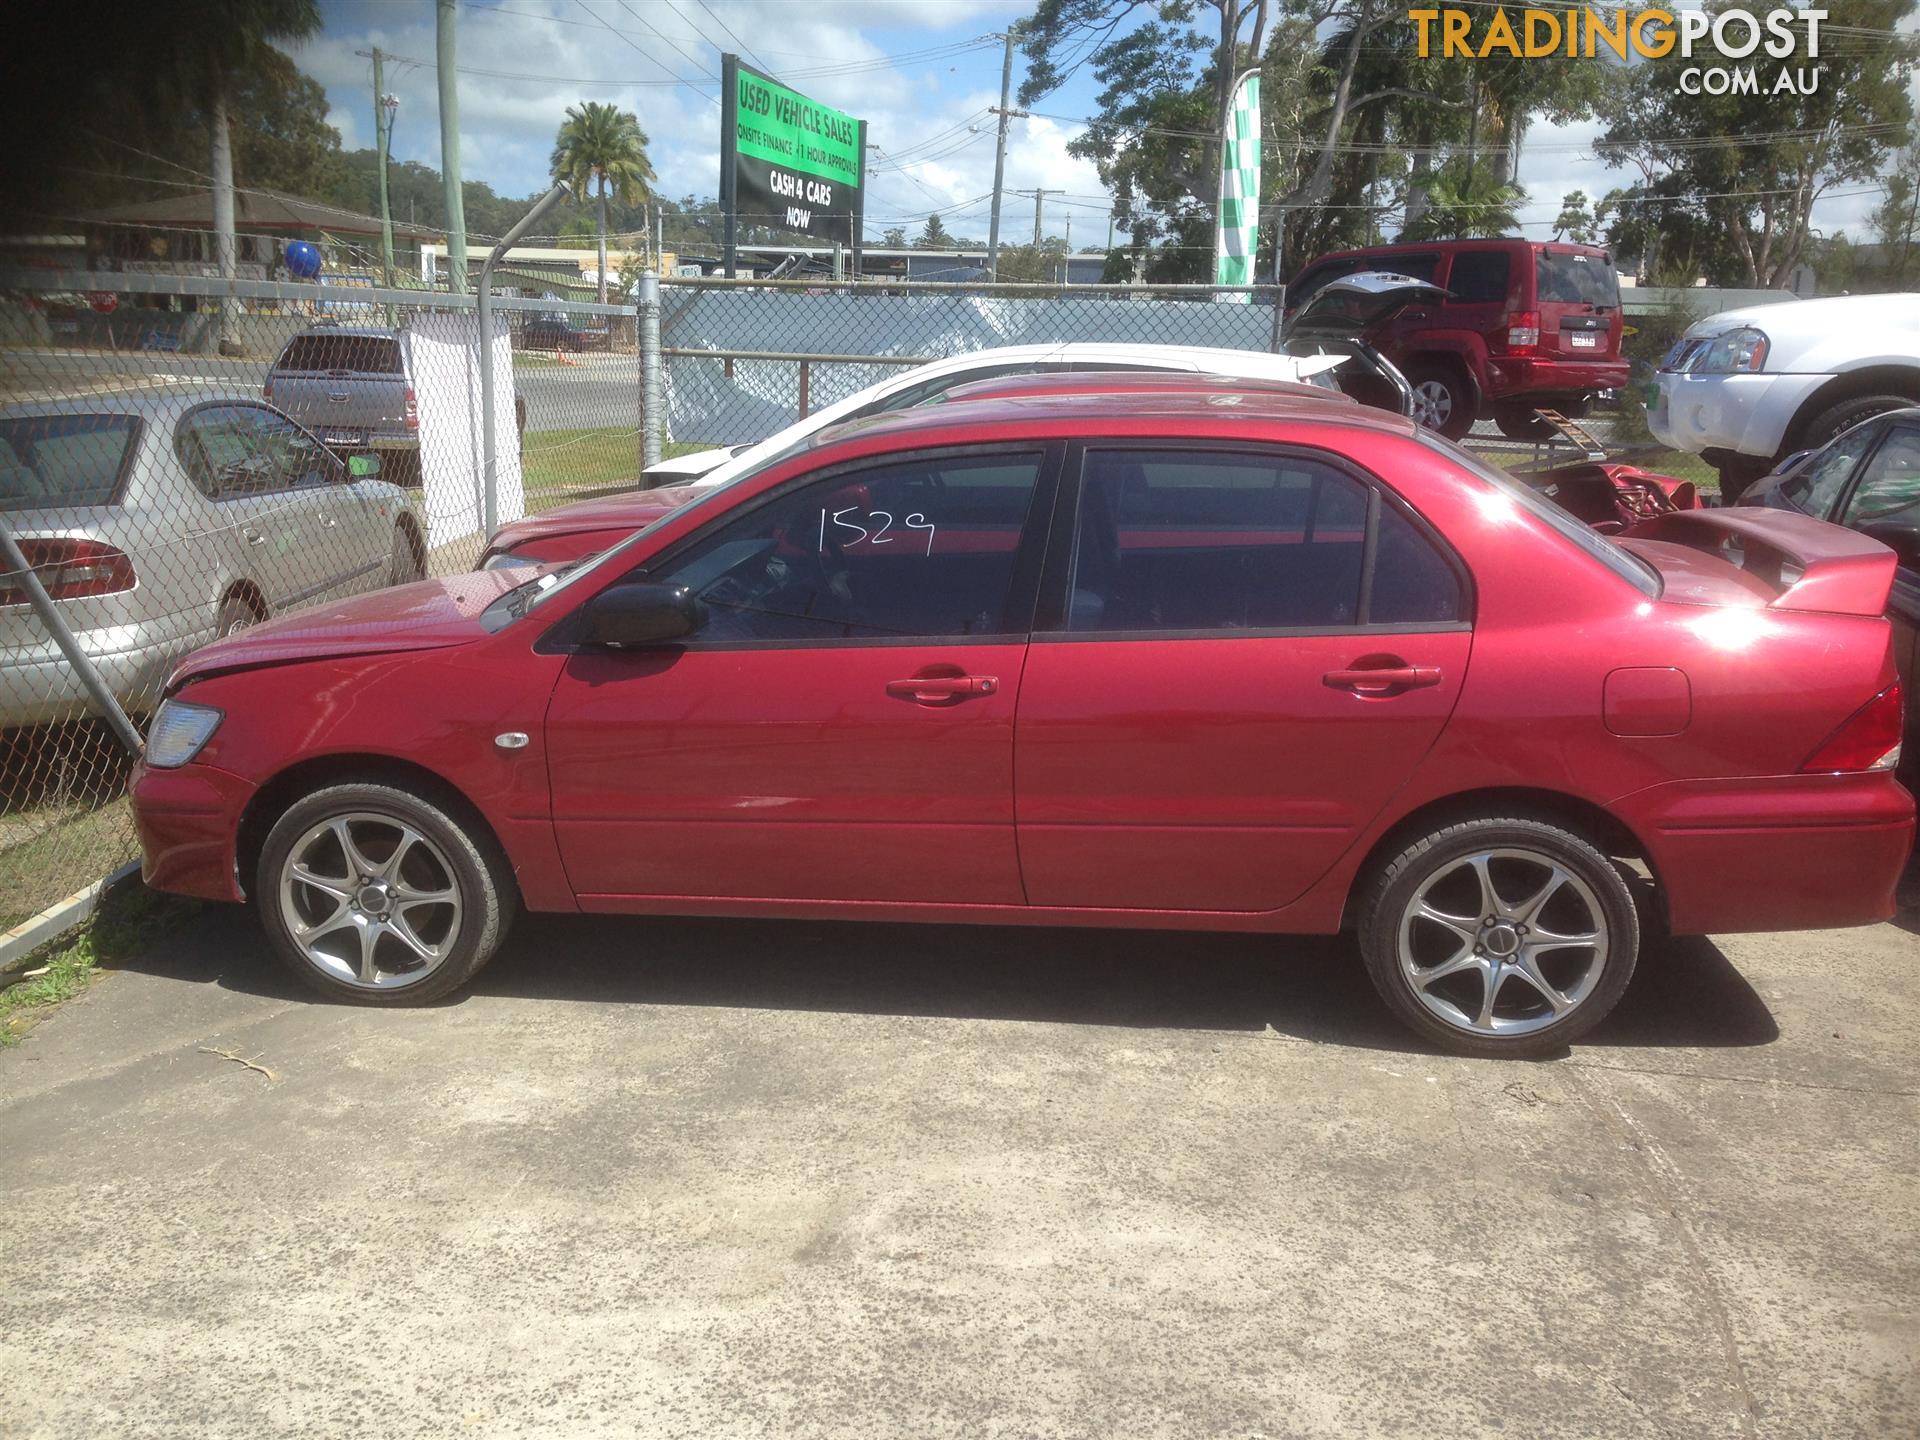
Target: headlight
<point>178,732</point>
<point>1742,349</point>
<point>507,560</point>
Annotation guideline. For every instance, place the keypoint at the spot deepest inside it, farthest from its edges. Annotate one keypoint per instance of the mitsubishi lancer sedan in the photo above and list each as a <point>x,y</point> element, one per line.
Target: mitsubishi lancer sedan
<point>1282,666</point>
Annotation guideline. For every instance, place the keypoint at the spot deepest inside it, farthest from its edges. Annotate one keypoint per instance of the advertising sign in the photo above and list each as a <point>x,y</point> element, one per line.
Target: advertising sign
<point>787,162</point>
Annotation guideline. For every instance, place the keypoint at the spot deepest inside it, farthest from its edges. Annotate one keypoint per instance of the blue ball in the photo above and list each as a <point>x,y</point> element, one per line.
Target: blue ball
<point>303,259</point>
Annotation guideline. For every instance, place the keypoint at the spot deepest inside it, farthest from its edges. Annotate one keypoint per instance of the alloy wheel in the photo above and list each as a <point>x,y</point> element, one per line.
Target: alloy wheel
<point>1432,403</point>
<point>1503,942</point>
<point>370,901</point>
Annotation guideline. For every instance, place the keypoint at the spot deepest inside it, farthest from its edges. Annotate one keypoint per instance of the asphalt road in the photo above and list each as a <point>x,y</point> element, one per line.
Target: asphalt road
<point>727,1179</point>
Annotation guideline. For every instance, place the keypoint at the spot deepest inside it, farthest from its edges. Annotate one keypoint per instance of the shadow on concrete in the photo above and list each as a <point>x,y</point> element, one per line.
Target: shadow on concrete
<point>1685,992</point>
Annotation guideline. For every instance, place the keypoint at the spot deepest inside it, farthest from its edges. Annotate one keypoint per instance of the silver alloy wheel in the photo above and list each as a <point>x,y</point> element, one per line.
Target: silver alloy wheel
<point>1432,403</point>
<point>370,901</point>
<point>1512,966</point>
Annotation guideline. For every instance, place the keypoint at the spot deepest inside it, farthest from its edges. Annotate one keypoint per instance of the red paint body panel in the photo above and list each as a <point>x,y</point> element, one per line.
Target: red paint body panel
<point>1647,700</point>
<point>1205,783</point>
<point>567,532</point>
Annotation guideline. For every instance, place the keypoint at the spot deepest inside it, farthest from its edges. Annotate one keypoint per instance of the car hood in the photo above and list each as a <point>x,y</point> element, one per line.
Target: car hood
<point>690,466</point>
<point>629,511</point>
<point>427,615</point>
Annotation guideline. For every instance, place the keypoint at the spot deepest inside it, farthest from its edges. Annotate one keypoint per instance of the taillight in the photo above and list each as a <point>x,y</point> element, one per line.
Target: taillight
<point>1869,740</point>
<point>69,570</point>
<point>1522,333</point>
<point>413,410</point>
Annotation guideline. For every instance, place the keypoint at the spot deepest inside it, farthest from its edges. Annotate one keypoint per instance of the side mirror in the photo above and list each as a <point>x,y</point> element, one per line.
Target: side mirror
<point>1901,537</point>
<point>363,467</point>
<point>643,613</point>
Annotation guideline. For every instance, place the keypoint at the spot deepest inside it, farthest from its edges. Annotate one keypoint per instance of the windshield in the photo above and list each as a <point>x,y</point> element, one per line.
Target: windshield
<point>1566,277</point>
<point>545,587</point>
<point>63,459</point>
<point>1631,568</point>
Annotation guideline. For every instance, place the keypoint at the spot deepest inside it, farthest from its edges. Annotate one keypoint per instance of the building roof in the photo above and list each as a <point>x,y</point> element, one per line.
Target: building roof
<point>254,210</point>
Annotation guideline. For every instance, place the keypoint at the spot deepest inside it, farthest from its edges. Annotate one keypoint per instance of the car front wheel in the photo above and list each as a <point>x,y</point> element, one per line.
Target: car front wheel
<point>1501,938</point>
<point>378,896</point>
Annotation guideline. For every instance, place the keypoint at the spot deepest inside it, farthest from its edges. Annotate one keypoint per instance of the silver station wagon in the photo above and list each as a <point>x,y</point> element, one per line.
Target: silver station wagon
<point>158,523</point>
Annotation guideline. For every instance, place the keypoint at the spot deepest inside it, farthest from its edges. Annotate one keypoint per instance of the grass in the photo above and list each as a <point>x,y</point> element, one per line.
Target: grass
<point>523,361</point>
<point>75,848</point>
<point>126,923</point>
<point>562,465</point>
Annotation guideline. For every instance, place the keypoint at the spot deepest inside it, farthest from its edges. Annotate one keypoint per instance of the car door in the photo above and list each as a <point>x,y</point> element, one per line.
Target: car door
<point>260,518</point>
<point>1241,652</point>
<point>842,727</point>
<point>1816,488</point>
<point>1885,500</point>
<point>344,548</point>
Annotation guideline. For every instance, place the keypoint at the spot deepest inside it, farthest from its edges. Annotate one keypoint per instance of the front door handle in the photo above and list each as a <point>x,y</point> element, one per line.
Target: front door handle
<point>254,537</point>
<point>943,689</point>
<point>1384,680</point>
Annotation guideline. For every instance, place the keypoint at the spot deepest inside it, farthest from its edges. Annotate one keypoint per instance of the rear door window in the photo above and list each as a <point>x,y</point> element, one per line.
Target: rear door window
<point>361,354</point>
<point>1171,541</point>
<point>1479,277</point>
<point>1889,487</point>
<point>64,459</point>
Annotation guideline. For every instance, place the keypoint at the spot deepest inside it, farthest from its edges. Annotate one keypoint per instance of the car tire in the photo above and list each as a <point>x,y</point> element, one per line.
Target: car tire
<point>408,561</point>
<point>1844,415</point>
<point>1462,901</point>
<point>1442,398</point>
<point>1737,474</point>
<point>236,613</point>
<point>375,895</point>
<point>1523,425</point>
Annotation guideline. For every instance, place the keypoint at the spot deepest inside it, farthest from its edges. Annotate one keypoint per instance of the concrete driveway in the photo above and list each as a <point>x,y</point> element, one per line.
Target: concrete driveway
<point>726,1179</point>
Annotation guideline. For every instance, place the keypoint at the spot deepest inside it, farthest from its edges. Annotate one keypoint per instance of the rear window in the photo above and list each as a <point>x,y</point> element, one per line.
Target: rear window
<point>1628,567</point>
<point>1568,278</point>
<point>367,354</point>
<point>48,460</point>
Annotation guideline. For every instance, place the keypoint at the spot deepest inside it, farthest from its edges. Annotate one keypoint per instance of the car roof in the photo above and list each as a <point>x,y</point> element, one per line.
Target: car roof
<point>1492,242</point>
<point>1224,359</point>
<point>1083,414</point>
<point>1140,382</point>
<point>158,404</point>
<point>371,332</point>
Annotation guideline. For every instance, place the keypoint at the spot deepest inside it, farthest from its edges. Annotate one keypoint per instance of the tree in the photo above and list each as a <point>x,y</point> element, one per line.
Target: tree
<point>935,236</point>
<point>894,237</point>
<point>1576,222</point>
<point>1033,264</point>
<point>193,58</point>
<point>601,148</point>
<point>1833,265</point>
<point>1467,202</point>
<point>1896,223</point>
<point>1752,167</point>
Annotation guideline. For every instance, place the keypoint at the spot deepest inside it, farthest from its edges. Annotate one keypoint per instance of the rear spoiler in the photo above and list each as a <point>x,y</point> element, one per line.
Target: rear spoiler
<point>1811,564</point>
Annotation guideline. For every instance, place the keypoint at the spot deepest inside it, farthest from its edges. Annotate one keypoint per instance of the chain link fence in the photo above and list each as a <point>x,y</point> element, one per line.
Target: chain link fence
<point>181,459</point>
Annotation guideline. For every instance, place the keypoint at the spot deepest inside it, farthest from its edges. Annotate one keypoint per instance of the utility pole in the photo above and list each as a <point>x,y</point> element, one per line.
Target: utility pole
<point>383,107</point>
<point>1068,256</point>
<point>444,56</point>
<point>1006,113</point>
<point>1039,199</point>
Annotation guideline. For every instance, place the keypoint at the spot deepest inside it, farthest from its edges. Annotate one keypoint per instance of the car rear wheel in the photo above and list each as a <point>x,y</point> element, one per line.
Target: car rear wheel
<point>1442,399</point>
<point>378,896</point>
<point>236,614</point>
<point>1500,937</point>
<point>409,561</point>
<point>1523,425</point>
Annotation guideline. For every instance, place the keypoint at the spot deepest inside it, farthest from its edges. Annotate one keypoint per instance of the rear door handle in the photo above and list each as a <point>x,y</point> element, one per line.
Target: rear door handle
<point>254,537</point>
<point>1386,678</point>
<point>943,689</point>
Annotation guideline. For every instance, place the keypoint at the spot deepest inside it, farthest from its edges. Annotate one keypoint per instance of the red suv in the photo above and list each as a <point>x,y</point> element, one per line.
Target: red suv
<point>1529,323</point>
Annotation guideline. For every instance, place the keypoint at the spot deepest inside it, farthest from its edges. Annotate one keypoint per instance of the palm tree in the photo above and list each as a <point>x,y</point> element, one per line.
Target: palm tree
<point>191,57</point>
<point>1467,205</point>
<point>603,146</point>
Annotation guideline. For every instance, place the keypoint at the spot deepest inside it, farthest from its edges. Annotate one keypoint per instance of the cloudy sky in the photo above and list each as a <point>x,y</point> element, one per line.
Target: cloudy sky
<point>921,72</point>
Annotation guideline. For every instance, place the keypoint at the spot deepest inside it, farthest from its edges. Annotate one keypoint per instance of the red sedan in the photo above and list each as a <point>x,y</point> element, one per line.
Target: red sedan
<point>1280,665</point>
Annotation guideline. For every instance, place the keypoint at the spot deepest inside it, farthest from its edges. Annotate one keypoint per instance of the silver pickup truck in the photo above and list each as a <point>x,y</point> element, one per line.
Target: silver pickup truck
<point>353,387</point>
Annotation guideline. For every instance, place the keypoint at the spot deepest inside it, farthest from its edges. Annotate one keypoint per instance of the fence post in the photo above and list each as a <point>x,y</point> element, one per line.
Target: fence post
<point>56,624</point>
<point>483,303</point>
<point>652,382</point>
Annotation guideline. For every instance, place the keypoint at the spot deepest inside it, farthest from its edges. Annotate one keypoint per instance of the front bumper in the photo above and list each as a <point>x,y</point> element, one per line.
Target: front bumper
<point>1779,852</point>
<point>1748,414</point>
<point>188,823</point>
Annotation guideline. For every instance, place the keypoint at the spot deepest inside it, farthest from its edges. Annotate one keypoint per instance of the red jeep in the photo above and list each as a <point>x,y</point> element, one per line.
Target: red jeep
<point>1529,323</point>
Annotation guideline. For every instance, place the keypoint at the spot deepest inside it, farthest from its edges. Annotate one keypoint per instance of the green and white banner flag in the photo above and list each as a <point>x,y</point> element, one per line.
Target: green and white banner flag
<point>1239,189</point>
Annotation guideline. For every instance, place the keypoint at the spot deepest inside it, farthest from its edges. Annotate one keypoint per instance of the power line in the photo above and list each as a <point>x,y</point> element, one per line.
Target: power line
<point>727,30</point>
<point>662,64</point>
<point>698,64</point>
